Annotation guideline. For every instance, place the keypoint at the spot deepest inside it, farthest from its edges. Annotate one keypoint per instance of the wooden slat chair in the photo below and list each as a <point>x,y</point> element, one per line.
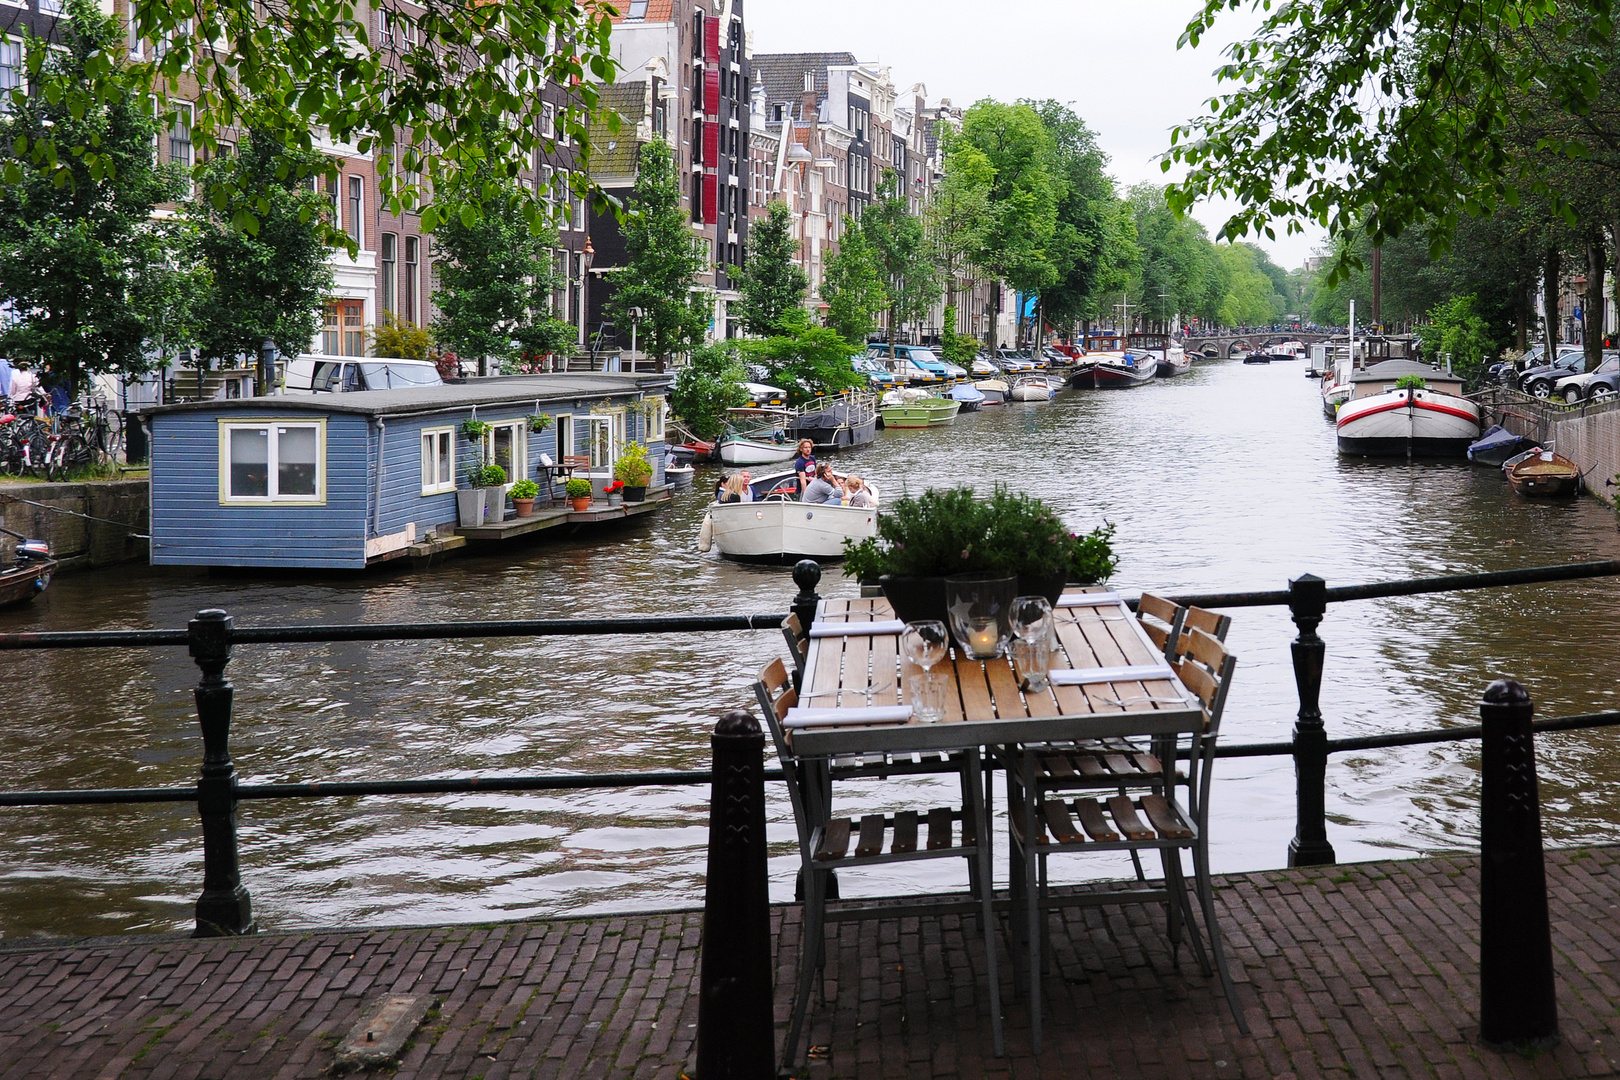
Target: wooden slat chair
<point>798,641</point>
<point>1149,820</point>
<point>899,835</point>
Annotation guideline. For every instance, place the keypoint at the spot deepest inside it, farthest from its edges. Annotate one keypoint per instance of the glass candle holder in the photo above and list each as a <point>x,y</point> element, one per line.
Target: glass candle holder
<point>980,607</point>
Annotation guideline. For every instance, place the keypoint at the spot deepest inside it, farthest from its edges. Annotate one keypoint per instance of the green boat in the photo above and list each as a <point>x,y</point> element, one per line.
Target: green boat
<point>915,408</point>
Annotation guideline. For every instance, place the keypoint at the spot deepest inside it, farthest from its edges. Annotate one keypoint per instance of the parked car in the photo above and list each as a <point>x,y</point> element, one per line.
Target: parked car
<point>338,374</point>
<point>985,368</point>
<point>920,363</point>
<point>1539,381</point>
<point>879,376</point>
<point>1014,362</point>
<point>1598,383</point>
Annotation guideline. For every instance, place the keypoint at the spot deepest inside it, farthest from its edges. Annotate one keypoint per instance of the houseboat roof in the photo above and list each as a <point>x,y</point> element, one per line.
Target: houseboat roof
<point>1394,369</point>
<point>496,390</point>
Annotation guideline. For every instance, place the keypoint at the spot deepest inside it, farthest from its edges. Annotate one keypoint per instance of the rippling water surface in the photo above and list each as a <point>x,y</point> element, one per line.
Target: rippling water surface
<point>1224,479</point>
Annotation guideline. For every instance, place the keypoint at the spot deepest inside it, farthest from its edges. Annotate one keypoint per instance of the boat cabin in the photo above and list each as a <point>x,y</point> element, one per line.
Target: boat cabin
<point>1381,378</point>
<point>344,480</point>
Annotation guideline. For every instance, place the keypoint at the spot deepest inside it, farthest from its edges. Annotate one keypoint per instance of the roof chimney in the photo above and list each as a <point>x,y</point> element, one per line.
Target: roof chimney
<point>807,103</point>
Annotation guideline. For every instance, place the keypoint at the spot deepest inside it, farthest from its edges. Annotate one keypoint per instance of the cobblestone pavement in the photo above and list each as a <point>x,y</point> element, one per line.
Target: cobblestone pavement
<point>1364,970</point>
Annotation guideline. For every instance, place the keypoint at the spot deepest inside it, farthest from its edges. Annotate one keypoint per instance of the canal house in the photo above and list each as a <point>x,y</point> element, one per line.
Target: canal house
<point>346,480</point>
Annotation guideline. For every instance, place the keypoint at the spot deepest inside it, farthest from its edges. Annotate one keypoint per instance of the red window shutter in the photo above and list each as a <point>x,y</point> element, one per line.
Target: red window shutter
<point>711,198</point>
<point>711,92</point>
<point>711,40</point>
<point>711,144</point>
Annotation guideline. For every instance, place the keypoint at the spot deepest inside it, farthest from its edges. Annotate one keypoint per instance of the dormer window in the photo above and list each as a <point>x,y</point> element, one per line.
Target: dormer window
<point>638,9</point>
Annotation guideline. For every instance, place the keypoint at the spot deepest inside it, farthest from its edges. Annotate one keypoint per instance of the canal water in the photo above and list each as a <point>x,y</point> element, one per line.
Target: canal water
<point>1226,478</point>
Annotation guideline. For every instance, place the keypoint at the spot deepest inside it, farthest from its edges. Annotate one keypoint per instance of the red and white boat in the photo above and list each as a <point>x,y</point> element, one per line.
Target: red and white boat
<point>1427,417</point>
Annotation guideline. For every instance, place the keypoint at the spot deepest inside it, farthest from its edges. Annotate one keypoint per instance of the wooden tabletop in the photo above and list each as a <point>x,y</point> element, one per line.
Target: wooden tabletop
<point>983,704</point>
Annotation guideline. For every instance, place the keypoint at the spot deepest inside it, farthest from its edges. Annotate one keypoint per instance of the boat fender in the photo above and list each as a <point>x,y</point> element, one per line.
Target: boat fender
<point>706,533</point>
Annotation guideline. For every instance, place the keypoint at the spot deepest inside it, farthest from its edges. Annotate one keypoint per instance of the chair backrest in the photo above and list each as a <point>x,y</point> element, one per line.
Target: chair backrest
<point>797,640</point>
<point>1162,620</point>
<point>578,461</point>
<point>1210,623</point>
<point>776,695</point>
<point>1205,668</point>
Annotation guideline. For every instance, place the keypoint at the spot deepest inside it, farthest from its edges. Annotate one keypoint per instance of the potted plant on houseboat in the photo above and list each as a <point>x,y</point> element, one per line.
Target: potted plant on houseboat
<point>539,422</point>
<point>523,495</point>
<point>474,429</point>
<point>614,493</point>
<point>579,493</point>
<point>923,540</point>
<point>634,471</point>
<point>492,479</point>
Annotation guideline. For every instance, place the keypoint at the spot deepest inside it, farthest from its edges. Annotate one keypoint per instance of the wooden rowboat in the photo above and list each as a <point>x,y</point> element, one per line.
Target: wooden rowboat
<point>1543,474</point>
<point>21,583</point>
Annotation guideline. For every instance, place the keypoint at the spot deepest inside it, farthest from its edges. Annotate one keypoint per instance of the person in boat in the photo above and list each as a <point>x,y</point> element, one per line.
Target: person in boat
<point>825,488</point>
<point>857,494</point>
<point>804,463</point>
<point>736,489</point>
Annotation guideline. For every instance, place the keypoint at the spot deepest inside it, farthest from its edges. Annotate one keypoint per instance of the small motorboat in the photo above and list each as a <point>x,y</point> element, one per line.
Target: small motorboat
<point>29,575</point>
<point>756,436</point>
<point>995,391</point>
<point>1258,356</point>
<point>969,395</point>
<point>775,527</point>
<point>1496,445</point>
<point>1539,473</point>
<point>911,408</point>
<point>687,453</point>
<point>1030,388</point>
<point>679,477</point>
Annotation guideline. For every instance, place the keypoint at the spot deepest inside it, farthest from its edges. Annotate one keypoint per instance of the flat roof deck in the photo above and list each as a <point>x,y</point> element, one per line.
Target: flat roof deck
<point>1364,970</point>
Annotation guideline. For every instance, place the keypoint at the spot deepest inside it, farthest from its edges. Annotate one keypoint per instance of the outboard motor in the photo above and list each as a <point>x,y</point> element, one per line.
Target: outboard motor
<point>33,551</point>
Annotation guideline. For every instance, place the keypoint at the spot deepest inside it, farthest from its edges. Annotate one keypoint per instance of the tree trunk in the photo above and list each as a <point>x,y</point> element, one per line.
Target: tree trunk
<point>1592,316</point>
<point>1549,301</point>
<point>995,315</point>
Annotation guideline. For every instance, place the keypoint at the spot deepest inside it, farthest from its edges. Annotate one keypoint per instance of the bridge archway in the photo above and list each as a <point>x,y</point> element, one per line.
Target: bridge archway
<point>1237,346</point>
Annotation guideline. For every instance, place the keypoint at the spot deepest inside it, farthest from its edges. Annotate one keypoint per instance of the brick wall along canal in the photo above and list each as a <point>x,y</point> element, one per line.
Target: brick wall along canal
<point>1224,479</point>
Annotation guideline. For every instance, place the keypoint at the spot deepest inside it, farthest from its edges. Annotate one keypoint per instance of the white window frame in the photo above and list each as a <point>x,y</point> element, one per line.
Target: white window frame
<point>562,428</point>
<point>20,71</point>
<point>271,424</point>
<point>520,449</point>
<point>654,431</point>
<point>433,440</point>
<point>611,427</point>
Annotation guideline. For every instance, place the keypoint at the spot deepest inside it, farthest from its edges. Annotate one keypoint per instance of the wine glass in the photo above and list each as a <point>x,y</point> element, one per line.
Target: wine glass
<point>1032,640</point>
<point>926,643</point>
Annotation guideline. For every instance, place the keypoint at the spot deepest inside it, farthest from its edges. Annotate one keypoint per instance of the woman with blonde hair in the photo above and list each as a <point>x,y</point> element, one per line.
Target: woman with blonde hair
<point>857,494</point>
<point>736,488</point>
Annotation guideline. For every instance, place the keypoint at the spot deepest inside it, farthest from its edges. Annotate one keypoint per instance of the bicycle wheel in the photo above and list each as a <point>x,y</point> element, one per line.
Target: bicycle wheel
<point>112,437</point>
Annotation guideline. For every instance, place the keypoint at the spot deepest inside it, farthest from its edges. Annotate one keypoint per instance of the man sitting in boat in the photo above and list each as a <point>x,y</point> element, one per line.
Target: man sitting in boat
<point>825,488</point>
<point>736,489</point>
<point>804,463</point>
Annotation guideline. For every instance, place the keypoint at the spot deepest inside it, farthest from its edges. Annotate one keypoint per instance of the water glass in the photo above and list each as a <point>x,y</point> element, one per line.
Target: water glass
<point>1032,641</point>
<point>980,607</point>
<point>927,692</point>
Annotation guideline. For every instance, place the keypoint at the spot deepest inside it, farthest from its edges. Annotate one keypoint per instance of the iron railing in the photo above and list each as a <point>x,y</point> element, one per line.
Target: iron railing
<point>224,906</point>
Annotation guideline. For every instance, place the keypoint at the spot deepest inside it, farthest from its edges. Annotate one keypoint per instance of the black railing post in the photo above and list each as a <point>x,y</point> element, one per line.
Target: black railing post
<point>806,575</point>
<point>1517,1004</point>
<point>1307,602</point>
<point>224,908</point>
<point>736,1034</point>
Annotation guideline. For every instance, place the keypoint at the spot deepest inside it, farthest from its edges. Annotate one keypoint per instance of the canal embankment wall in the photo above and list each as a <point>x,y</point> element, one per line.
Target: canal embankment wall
<point>1587,434</point>
<point>96,523</point>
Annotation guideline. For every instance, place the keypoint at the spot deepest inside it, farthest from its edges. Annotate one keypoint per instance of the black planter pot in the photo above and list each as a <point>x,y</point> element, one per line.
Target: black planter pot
<point>635,494</point>
<point>1050,587</point>
<point>915,598</point>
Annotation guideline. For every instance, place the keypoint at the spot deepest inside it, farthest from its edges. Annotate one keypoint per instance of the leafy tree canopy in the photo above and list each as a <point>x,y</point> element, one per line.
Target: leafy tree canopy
<point>809,363</point>
<point>706,387</point>
<point>852,286</point>
<point>771,282</point>
<point>1456,334</point>
<point>904,260</point>
<point>661,261</point>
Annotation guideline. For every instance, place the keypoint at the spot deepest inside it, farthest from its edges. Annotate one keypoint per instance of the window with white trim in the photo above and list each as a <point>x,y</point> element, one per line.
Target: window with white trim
<point>356,210</point>
<point>181,153</point>
<point>655,420</point>
<point>503,446</point>
<point>438,460</point>
<point>605,434</point>
<point>272,461</point>
<point>11,70</point>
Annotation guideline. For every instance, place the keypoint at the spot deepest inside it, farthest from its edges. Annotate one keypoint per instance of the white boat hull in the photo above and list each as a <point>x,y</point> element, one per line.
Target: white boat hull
<point>1401,422</point>
<point>775,530</point>
<point>754,451</point>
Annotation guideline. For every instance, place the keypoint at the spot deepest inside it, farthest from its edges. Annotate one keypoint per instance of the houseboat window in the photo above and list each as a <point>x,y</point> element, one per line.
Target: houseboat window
<point>655,420</point>
<point>505,448</point>
<point>438,460</point>
<point>602,444</point>
<point>565,436</point>
<point>272,461</point>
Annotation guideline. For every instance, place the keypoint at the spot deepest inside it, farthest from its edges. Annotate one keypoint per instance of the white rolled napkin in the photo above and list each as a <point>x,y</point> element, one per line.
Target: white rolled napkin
<point>1089,599</point>
<point>869,714</point>
<point>1128,673</point>
<point>856,629</point>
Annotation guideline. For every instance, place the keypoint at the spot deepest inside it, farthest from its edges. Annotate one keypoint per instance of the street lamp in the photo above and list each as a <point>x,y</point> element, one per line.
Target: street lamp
<point>267,367</point>
<point>635,322</point>
<point>585,258</point>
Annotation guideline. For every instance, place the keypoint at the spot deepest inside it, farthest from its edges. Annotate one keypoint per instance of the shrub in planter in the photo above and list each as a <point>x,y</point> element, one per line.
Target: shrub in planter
<point>633,467</point>
<point>524,489</point>
<point>487,476</point>
<point>579,488</point>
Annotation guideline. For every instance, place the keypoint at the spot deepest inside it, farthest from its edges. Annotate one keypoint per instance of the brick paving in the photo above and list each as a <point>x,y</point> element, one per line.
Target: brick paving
<point>1364,970</point>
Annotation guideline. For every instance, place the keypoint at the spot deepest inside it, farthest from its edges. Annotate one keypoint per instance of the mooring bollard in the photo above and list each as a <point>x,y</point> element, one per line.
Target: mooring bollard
<point>1307,603</point>
<point>1518,1006</point>
<point>224,908</point>
<point>736,1035</point>
<point>806,575</point>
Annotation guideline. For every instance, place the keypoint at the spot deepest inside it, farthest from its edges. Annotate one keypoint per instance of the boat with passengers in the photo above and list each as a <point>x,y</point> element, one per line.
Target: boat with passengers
<point>773,525</point>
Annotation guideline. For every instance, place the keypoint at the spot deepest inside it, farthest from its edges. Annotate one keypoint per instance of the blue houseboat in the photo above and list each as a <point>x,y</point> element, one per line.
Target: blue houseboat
<point>346,480</point>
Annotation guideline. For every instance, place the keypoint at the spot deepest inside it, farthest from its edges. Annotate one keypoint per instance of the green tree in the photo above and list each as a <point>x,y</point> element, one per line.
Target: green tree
<point>1456,335</point>
<point>1009,149</point>
<point>852,286</point>
<point>85,268</point>
<point>772,284</point>
<point>706,387</point>
<point>958,216</point>
<point>447,91</point>
<point>1179,271</point>
<point>904,259</point>
<point>661,261</point>
<point>1251,298</point>
<point>272,282</point>
<point>495,282</point>
<point>813,361</point>
<point>958,349</point>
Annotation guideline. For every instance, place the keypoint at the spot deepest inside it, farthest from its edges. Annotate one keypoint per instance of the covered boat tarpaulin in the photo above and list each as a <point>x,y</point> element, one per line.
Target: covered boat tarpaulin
<point>1496,446</point>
